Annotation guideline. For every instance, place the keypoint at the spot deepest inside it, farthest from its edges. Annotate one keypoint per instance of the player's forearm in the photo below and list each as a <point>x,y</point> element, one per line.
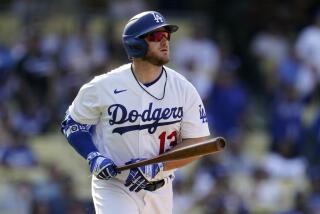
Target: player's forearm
<point>78,136</point>
<point>180,163</point>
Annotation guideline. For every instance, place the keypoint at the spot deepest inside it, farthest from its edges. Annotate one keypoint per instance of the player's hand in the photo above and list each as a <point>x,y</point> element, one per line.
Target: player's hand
<point>102,167</point>
<point>140,177</point>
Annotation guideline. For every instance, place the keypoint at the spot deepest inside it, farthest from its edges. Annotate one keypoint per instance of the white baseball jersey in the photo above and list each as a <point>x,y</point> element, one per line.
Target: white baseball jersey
<point>135,121</point>
<point>130,122</point>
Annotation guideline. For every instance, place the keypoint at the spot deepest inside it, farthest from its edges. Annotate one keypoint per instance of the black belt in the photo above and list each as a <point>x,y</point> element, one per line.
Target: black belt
<point>153,186</point>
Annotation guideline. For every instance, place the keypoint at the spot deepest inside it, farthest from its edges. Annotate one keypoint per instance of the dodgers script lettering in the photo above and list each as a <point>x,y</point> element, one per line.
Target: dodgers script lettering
<point>120,115</point>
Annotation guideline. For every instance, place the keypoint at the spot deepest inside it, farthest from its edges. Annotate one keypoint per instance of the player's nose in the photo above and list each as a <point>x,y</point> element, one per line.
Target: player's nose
<point>164,41</point>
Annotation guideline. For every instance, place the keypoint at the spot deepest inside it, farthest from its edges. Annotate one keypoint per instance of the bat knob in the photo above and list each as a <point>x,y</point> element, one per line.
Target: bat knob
<point>221,143</point>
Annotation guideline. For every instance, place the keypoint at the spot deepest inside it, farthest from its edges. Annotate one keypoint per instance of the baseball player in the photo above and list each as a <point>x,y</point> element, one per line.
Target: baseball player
<point>137,111</point>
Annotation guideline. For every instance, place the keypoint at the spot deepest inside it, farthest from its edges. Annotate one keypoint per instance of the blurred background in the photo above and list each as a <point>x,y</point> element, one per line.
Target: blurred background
<point>256,65</point>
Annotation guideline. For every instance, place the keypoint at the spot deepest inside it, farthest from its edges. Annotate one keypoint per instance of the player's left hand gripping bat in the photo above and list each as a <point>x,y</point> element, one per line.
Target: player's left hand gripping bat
<point>210,146</point>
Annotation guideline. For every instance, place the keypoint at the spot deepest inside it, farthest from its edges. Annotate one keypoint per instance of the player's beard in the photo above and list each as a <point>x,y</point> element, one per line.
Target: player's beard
<point>156,60</point>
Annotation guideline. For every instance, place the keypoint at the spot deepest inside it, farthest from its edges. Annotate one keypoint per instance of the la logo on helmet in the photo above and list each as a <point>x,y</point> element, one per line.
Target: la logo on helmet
<point>157,17</point>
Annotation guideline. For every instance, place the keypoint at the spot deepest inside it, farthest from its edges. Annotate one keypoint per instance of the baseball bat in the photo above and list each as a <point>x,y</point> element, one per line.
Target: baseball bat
<point>198,149</point>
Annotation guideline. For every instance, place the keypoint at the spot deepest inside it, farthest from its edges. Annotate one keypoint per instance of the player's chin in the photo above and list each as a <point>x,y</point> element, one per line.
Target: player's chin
<point>165,57</point>
<point>164,60</point>
<point>160,62</point>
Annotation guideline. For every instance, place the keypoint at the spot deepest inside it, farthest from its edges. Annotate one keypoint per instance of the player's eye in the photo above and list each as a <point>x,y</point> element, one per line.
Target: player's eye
<point>157,36</point>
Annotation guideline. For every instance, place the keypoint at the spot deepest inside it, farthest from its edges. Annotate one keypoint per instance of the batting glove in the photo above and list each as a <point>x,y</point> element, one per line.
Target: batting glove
<point>140,177</point>
<point>102,167</point>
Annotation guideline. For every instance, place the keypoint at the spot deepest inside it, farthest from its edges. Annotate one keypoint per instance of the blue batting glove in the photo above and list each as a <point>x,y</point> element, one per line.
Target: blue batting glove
<point>102,167</point>
<point>140,177</point>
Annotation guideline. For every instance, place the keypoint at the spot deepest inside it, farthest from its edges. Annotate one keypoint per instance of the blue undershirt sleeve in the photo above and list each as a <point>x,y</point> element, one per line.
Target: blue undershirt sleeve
<point>78,136</point>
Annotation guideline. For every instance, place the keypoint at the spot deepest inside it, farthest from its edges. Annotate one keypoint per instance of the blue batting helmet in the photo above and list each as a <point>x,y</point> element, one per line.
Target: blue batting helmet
<point>140,25</point>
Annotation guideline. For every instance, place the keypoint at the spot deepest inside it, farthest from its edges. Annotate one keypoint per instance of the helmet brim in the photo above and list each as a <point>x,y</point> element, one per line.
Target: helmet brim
<point>171,28</point>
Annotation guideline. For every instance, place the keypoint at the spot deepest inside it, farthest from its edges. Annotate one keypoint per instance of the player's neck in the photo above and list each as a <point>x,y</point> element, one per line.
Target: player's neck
<point>146,72</point>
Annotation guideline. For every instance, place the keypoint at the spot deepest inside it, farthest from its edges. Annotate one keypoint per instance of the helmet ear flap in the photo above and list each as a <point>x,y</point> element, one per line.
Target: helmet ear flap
<point>135,46</point>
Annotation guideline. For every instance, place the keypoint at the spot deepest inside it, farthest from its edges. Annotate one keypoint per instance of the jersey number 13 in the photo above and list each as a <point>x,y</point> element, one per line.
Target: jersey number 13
<point>172,140</point>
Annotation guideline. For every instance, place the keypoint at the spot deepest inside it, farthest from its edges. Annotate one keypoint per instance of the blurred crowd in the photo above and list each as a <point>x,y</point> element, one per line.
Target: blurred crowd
<point>260,92</point>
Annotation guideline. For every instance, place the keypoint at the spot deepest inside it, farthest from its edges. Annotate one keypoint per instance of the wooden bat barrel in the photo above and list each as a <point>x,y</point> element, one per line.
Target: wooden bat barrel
<point>199,149</point>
